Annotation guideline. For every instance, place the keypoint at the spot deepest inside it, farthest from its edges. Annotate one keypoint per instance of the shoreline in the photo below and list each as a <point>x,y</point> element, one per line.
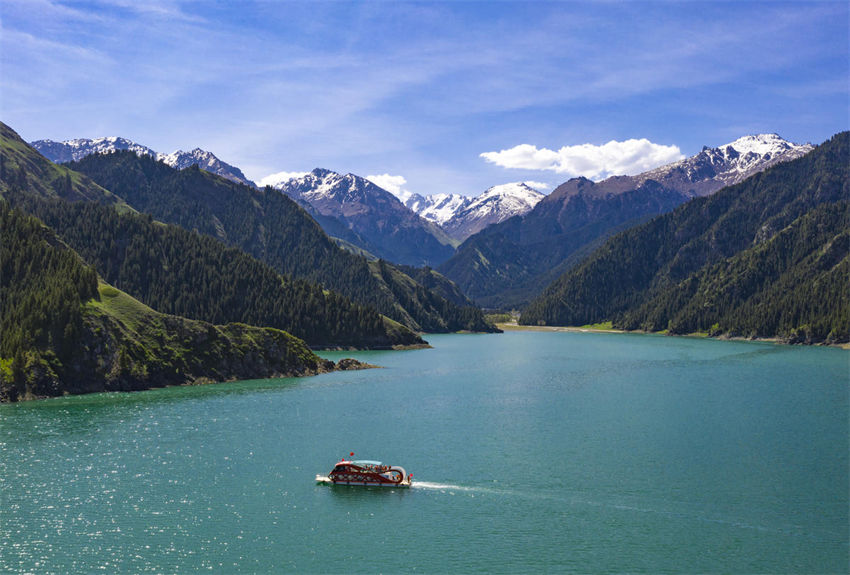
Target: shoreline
<point>396,347</point>
<point>513,326</point>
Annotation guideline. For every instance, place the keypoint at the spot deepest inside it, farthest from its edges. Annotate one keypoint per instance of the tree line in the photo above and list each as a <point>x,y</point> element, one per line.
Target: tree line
<point>765,258</point>
<point>271,227</point>
<point>183,273</point>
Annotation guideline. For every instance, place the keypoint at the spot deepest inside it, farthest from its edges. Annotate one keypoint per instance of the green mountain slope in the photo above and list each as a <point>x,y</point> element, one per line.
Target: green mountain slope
<point>767,257</point>
<point>444,316</point>
<point>61,332</point>
<point>182,273</point>
<point>429,278</point>
<point>271,227</point>
<point>22,168</point>
<point>794,286</point>
<point>507,264</point>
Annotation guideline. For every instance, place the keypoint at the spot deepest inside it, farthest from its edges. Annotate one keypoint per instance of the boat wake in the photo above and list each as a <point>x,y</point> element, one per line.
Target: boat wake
<point>452,487</point>
<point>578,500</point>
<point>441,486</point>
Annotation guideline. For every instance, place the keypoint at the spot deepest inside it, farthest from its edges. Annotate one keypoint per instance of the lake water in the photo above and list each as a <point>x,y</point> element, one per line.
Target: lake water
<point>531,452</point>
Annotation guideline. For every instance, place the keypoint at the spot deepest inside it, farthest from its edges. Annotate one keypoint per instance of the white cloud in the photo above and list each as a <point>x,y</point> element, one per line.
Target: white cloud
<point>539,186</point>
<point>392,184</point>
<point>280,178</point>
<point>595,162</point>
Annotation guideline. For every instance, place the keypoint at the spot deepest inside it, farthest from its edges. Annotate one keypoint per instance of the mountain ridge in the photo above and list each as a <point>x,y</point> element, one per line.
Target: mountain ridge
<point>77,149</point>
<point>507,264</point>
<point>768,257</point>
<point>66,332</point>
<point>271,227</point>
<point>263,223</point>
<point>380,222</point>
<point>159,264</point>
<point>463,216</point>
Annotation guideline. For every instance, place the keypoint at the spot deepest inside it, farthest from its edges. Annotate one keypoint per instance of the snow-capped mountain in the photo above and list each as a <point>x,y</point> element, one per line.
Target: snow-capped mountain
<point>206,161</point>
<point>376,219</point>
<point>437,208</point>
<point>715,168</point>
<point>495,205</point>
<point>280,178</point>
<point>461,216</point>
<point>74,150</point>
<point>507,263</point>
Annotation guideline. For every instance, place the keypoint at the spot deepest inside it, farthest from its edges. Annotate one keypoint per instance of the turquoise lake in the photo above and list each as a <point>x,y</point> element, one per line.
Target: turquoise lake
<point>531,452</point>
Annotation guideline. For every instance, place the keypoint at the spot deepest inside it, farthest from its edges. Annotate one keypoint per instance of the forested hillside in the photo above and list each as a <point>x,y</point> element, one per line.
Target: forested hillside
<point>272,228</point>
<point>43,287</point>
<point>24,169</point>
<point>764,258</point>
<point>429,278</point>
<point>183,273</point>
<point>61,332</point>
<point>445,316</point>
<point>507,264</point>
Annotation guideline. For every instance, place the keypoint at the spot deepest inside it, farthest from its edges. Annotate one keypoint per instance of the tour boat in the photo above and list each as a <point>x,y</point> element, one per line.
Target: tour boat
<point>366,473</point>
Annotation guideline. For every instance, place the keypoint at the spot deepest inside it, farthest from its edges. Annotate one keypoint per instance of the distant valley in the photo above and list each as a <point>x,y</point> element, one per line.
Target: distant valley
<point>409,229</point>
<point>219,252</point>
<point>507,264</point>
<point>503,246</point>
<point>767,257</point>
<point>748,239</point>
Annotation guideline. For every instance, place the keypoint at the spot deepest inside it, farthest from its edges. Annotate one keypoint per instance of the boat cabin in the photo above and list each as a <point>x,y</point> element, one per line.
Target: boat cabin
<point>366,464</point>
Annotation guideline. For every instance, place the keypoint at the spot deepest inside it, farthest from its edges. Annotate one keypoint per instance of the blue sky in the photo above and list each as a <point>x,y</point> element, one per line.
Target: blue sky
<point>441,96</point>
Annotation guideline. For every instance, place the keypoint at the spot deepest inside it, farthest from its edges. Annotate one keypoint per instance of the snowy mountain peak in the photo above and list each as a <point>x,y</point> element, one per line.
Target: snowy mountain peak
<point>495,205</point>
<point>323,185</point>
<point>323,173</point>
<point>462,216</point>
<point>760,144</point>
<point>518,190</point>
<point>437,208</point>
<point>77,149</point>
<point>714,168</point>
<point>280,178</point>
<point>366,215</point>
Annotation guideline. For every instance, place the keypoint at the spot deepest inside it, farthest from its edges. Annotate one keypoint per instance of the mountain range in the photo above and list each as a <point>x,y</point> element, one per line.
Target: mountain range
<point>377,220</point>
<point>752,240</point>
<point>265,224</point>
<point>271,227</point>
<point>508,263</point>
<point>767,257</point>
<point>462,216</point>
<point>715,168</point>
<point>515,239</point>
<point>369,221</point>
<point>75,150</point>
<point>62,333</point>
